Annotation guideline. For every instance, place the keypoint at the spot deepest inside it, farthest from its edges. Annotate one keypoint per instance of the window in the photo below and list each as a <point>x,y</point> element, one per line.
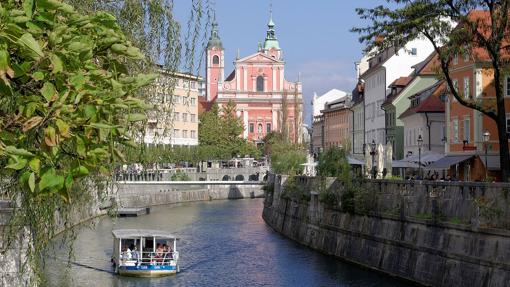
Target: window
<point>185,133</point>
<point>193,101</point>
<point>176,116</point>
<point>455,130</point>
<point>260,84</point>
<point>184,117</point>
<point>466,88</point>
<point>176,133</point>
<point>466,56</point>
<point>252,128</point>
<point>193,85</point>
<point>467,128</point>
<point>413,52</point>
<point>268,128</point>
<point>216,60</point>
<point>507,93</point>
<point>455,59</point>
<point>193,134</point>
<point>192,118</point>
<point>177,99</point>
<point>456,87</point>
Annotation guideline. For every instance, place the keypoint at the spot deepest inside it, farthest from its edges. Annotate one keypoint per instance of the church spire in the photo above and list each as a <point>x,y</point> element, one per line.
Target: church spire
<point>214,40</point>
<point>271,40</point>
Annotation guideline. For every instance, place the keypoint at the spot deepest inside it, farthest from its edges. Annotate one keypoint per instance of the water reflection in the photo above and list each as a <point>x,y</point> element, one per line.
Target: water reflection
<point>223,243</point>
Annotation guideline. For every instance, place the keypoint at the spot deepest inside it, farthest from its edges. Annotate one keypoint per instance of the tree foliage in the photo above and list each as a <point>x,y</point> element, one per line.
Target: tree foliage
<point>286,158</point>
<point>66,102</point>
<point>392,26</point>
<point>219,134</point>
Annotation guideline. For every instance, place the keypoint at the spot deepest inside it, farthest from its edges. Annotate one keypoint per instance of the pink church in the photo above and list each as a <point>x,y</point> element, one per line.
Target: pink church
<point>265,101</point>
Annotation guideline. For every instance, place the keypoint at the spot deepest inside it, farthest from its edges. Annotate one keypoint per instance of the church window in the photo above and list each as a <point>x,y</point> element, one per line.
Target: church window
<point>252,128</point>
<point>216,60</point>
<point>268,128</point>
<point>260,84</point>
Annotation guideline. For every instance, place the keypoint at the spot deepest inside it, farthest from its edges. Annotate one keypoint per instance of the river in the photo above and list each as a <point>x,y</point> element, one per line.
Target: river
<point>222,243</point>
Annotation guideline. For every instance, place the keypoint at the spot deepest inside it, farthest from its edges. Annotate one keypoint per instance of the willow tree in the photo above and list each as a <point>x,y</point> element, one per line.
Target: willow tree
<point>70,89</point>
<point>151,25</point>
<point>392,26</point>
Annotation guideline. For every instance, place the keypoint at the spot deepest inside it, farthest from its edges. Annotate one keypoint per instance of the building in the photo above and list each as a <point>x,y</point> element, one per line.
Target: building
<point>265,100</point>
<point>337,120</point>
<point>318,105</point>
<point>318,140</point>
<point>176,120</point>
<point>426,117</point>
<point>423,76</point>
<point>384,68</point>
<point>358,120</point>
<point>473,77</point>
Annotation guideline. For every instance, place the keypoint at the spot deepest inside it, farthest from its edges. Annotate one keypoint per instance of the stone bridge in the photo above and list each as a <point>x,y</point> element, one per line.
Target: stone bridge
<point>209,174</point>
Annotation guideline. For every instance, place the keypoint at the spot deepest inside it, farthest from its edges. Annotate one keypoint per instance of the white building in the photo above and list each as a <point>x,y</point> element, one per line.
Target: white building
<point>384,68</point>
<point>318,103</point>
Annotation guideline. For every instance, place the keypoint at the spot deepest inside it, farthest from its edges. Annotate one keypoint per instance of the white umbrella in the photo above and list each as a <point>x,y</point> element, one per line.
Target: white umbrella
<point>389,159</point>
<point>380,160</point>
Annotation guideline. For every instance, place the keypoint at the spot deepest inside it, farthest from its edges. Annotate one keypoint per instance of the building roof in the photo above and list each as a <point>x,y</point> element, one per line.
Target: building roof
<point>319,103</point>
<point>271,40</point>
<point>430,101</point>
<point>214,40</point>
<point>401,83</point>
<point>429,66</point>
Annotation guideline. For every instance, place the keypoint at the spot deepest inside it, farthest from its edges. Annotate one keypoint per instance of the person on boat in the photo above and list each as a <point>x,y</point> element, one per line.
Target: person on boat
<point>159,251</point>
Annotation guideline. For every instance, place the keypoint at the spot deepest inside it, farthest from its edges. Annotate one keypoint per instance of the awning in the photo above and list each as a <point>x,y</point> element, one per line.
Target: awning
<point>492,162</point>
<point>353,161</point>
<point>403,164</point>
<point>426,157</point>
<point>447,161</point>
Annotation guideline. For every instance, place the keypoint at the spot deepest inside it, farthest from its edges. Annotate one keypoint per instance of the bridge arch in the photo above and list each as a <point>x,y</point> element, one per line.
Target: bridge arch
<point>225,178</point>
<point>253,177</point>
<point>239,177</point>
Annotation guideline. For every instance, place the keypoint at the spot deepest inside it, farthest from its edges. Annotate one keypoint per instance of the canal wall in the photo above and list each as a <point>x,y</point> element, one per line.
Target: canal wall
<point>431,233</point>
<point>144,194</point>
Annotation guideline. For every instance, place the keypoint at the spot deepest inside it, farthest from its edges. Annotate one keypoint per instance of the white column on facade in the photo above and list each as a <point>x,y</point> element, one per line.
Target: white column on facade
<point>254,86</point>
<point>448,127</point>
<point>246,124</point>
<point>275,120</point>
<point>222,68</point>
<point>281,80</point>
<point>265,84</point>
<point>273,71</point>
<point>238,78</point>
<point>245,79</point>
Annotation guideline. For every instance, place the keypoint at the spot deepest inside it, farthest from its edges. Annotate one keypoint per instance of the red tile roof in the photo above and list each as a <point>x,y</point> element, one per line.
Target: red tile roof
<point>431,103</point>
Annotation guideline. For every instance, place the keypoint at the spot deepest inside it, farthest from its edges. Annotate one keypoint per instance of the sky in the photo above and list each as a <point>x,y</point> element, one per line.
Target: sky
<point>314,37</point>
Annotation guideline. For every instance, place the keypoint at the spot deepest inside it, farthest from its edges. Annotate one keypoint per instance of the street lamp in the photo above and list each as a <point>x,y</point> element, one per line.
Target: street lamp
<point>486,138</point>
<point>420,144</point>
<point>372,153</point>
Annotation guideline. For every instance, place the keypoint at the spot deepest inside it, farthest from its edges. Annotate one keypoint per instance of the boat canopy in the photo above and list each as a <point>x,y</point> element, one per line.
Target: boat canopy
<point>137,233</point>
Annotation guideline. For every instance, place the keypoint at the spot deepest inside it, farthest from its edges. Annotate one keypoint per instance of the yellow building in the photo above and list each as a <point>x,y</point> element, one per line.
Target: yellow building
<point>174,120</point>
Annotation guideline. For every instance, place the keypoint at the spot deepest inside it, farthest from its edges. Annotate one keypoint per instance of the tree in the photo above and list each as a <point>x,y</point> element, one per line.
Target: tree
<point>66,102</point>
<point>394,25</point>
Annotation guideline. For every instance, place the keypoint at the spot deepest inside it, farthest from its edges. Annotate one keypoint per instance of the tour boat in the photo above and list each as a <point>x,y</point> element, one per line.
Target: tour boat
<point>144,253</point>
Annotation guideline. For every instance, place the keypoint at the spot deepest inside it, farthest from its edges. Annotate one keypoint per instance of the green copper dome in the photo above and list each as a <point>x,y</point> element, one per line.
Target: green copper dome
<point>271,40</point>
<point>214,40</point>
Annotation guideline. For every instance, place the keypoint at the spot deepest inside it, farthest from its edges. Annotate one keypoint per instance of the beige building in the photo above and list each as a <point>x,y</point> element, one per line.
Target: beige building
<point>174,120</point>
<point>337,121</point>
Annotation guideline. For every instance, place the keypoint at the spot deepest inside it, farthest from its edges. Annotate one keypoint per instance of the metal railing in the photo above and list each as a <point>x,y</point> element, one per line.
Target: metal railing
<point>134,258</point>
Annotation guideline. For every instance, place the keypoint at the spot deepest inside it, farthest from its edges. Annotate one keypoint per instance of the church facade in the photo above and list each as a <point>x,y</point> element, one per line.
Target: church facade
<point>264,99</point>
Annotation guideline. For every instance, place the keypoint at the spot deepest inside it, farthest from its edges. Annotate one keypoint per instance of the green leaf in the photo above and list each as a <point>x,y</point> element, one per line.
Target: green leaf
<point>38,76</point>
<point>16,163</point>
<point>48,91</point>
<point>50,136</point>
<point>136,117</point>
<point>80,147</point>
<point>28,42</point>
<point>63,128</point>
<point>31,182</point>
<point>50,180</point>
<point>30,109</point>
<point>35,164</point>
<point>56,62</point>
<point>80,171</point>
<point>12,150</point>
<point>69,182</point>
<point>101,126</point>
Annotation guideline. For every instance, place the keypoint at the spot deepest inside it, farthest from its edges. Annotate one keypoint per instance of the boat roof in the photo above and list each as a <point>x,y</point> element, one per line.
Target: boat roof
<point>137,233</point>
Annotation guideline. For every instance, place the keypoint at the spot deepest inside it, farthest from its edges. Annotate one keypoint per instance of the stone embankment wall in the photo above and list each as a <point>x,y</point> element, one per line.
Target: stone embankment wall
<point>134,194</point>
<point>432,233</point>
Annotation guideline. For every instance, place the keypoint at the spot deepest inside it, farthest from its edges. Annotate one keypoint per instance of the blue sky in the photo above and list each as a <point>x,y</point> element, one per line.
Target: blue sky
<point>314,37</point>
